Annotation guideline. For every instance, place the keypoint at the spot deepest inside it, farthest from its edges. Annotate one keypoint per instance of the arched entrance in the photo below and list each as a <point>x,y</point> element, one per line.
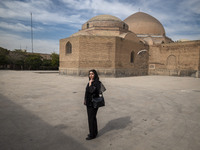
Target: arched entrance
<point>171,62</point>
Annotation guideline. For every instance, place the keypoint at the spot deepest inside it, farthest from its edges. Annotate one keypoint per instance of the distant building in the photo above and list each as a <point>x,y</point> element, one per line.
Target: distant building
<point>133,47</point>
<point>44,56</point>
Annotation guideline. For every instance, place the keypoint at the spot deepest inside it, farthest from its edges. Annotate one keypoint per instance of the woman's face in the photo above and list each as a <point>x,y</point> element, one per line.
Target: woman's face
<point>91,75</point>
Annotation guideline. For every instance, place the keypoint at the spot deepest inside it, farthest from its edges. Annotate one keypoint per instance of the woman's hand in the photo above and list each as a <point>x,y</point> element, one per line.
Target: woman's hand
<point>90,82</point>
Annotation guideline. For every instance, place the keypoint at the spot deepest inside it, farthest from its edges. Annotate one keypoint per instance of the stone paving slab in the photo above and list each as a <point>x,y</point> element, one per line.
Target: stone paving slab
<point>45,111</point>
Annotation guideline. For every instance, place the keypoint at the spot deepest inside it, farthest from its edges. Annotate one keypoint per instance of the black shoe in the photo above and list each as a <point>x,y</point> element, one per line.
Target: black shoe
<point>95,136</point>
<point>89,138</point>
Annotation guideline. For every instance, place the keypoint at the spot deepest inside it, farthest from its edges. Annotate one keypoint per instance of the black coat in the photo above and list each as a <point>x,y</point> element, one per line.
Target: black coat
<point>92,91</point>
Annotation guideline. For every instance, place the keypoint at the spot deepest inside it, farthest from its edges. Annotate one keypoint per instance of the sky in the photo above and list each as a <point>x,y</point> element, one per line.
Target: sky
<point>53,20</point>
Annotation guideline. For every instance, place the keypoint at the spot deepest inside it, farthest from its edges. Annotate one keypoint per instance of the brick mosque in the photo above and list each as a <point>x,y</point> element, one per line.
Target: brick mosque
<point>134,47</point>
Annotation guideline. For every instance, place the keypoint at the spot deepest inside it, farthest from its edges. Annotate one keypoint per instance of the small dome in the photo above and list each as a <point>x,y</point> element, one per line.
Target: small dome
<point>142,23</point>
<point>105,18</point>
<point>105,22</point>
<point>130,36</point>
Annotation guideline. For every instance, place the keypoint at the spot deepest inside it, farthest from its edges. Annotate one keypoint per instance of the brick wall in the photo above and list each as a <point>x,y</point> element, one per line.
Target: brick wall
<point>69,60</point>
<point>109,55</point>
<point>97,52</point>
<point>180,59</point>
<point>124,66</point>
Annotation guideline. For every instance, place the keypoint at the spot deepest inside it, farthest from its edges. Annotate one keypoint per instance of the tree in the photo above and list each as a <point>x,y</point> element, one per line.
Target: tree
<point>17,58</point>
<point>33,62</point>
<point>46,64</point>
<point>4,57</point>
<point>55,60</point>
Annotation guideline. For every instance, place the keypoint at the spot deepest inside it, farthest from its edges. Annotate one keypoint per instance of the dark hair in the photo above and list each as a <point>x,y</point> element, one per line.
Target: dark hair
<point>96,77</point>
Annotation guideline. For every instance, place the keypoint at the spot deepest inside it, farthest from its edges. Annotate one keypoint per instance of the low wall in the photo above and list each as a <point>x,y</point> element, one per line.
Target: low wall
<point>103,72</point>
<point>191,73</point>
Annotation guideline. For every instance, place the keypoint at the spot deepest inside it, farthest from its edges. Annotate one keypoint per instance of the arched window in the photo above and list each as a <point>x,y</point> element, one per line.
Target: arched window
<point>87,25</point>
<point>132,57</point>
<point>68,48</point>
<point>124,26</point>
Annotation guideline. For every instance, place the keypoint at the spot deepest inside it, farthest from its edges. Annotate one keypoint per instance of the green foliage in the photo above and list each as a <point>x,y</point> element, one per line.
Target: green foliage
<point>46,65</point>
<point>55,60</point>
<point>4,58</point>
<point>33,62</point>
<point>19,59</point>
<point>46,62</point>
<point>3,51</point>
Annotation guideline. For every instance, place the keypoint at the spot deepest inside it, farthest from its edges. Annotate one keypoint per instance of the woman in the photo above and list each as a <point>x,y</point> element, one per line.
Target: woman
<point>92,90</point>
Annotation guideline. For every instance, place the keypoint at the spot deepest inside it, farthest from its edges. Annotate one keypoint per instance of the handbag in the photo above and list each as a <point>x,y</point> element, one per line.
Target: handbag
<point>98,101</point>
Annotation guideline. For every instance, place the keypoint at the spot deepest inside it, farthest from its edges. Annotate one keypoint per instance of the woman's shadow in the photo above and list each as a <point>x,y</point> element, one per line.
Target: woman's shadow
<point>116,124</point>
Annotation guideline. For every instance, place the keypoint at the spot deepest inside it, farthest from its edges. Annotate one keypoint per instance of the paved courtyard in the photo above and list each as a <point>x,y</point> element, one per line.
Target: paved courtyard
<point>45,111</point>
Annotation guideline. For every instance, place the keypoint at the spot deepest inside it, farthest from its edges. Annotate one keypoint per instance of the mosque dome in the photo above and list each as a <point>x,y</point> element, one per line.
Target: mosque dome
<point>105,18</point>
<point>105,21</point>
<point>144,24</point>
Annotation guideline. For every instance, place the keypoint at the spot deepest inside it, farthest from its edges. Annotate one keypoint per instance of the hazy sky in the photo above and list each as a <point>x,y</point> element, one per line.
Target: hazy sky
<point>57,19</point>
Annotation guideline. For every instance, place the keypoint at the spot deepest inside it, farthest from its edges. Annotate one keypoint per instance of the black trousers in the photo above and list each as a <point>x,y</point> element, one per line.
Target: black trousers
<point>92,121</point>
